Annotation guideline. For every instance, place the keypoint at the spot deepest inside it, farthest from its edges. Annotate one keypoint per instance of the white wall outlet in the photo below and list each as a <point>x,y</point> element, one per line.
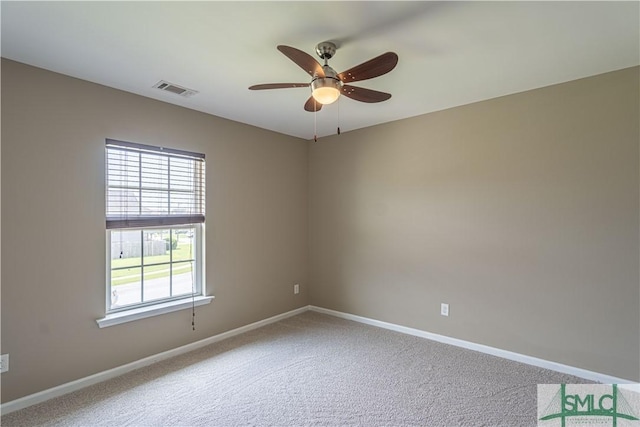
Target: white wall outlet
<point>296,289</point>
<point>444,309</point>
<point>4,363</point>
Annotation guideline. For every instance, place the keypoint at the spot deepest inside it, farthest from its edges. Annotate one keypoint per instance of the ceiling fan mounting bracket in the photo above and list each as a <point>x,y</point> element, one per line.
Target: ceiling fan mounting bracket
<point>326,50</point>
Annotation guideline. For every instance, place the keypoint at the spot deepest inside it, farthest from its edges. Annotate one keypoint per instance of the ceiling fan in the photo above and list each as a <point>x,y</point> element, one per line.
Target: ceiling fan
<point>327,85</point>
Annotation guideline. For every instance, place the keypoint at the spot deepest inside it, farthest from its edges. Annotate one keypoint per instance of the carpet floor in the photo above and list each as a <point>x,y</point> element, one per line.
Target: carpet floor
<point>309,370</point>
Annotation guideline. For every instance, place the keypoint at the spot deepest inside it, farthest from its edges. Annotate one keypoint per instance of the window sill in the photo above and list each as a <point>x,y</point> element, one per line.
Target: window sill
<point>150,311</point>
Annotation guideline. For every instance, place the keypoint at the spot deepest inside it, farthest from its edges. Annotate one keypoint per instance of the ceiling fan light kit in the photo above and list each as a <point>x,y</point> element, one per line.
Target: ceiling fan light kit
<point>326,90</point>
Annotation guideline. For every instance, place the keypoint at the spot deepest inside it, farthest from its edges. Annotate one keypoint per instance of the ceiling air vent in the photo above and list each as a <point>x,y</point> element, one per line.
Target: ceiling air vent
<point>178,90</point>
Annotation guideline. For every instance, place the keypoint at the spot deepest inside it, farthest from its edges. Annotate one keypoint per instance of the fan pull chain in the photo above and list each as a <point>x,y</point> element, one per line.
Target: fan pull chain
<point>339,115</point>
<point>315,122</point>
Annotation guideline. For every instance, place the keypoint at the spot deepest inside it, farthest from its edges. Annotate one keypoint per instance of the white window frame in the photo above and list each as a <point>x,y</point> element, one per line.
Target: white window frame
<point>126,313</point>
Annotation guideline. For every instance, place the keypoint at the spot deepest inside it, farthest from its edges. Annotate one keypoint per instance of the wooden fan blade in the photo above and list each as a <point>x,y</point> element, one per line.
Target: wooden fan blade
<point>373,68</point>
<point>278,86</point>
<point>364,95</point>
<point>312,105</point>
<point>304,60</point>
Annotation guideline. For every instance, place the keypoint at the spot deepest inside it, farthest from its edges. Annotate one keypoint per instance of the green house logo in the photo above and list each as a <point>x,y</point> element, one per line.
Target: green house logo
<point>587,405</point>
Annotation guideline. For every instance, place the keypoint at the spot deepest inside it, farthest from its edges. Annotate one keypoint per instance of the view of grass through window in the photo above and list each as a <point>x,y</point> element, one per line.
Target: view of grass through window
<point>151,264</point>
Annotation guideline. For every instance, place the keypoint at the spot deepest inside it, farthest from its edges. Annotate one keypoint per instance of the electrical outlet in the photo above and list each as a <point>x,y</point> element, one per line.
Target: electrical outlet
<point>4,363</point>
<point>296,289</point>
<point>444,309</point>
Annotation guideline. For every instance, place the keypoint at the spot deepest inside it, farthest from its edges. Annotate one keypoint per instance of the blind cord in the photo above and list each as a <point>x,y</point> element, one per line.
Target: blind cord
<point>193,289</point>
<point>193,309</point>
<point>194,239</point>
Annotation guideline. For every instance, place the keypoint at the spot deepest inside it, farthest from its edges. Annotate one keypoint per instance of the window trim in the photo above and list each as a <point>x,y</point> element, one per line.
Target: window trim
<point>123,221</point>
<point>138,313</point>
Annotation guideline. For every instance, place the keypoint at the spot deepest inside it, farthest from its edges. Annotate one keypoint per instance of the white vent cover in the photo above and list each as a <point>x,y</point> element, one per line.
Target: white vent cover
<point>178,90</point>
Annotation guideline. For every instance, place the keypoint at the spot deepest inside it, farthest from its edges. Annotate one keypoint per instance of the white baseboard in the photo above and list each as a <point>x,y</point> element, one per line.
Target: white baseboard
<point>81,383</point>
<point>522,358</point>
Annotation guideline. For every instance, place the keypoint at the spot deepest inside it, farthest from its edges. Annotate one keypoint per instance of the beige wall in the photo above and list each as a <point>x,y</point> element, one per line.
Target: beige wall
<point>520,212</point>
<point>53,238</point>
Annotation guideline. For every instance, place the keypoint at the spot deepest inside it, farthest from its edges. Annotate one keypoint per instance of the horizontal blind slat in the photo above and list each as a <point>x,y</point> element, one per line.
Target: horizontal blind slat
<point>152,221</point>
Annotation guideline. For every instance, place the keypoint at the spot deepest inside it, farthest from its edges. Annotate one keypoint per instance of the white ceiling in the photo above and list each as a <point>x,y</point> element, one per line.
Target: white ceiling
<point>451,53</point>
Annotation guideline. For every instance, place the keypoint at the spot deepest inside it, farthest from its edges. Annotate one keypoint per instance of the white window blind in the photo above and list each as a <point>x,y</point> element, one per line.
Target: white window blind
<point>151,186</point>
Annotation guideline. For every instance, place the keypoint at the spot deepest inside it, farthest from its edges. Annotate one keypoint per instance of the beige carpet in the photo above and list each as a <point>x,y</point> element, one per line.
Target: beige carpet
<point>309,370</point>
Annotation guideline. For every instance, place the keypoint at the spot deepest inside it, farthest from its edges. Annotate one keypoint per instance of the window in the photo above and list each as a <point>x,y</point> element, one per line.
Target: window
<point>154,219</point>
